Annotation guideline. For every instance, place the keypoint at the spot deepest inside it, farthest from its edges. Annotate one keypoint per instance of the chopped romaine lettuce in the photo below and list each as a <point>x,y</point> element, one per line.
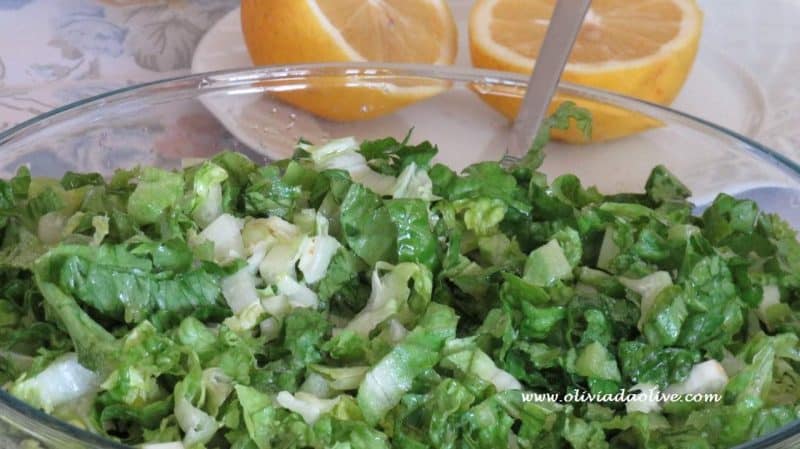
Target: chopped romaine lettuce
<point>356,296</point>
<point>64,380</point>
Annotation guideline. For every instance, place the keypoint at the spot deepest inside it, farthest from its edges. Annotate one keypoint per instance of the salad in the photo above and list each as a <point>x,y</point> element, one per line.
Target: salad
<point>360,296</point>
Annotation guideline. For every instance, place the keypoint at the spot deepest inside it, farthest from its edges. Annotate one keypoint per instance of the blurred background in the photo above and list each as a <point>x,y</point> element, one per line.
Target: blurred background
<point>56,52</point>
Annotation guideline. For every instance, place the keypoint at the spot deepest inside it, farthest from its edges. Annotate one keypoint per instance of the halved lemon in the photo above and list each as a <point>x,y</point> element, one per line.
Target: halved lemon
<point>299,31</point>
<point>640,48</point>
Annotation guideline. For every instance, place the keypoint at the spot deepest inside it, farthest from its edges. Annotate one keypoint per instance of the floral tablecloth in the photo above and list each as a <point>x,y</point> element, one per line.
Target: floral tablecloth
<point>57,51</point>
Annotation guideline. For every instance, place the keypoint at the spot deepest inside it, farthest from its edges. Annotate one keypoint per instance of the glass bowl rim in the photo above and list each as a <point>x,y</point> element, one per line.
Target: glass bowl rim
<point>231,78</point>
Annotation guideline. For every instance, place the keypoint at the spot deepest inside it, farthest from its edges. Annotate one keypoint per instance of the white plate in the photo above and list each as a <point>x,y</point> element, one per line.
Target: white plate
<point>718,90</point>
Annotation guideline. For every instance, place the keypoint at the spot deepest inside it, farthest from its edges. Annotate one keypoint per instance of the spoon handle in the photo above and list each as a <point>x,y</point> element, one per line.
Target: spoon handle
<point>556,47</point>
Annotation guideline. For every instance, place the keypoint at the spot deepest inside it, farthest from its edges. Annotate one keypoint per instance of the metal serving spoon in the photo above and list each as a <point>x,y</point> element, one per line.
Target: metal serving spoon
<point>561,34</point>
<point>556,47</point>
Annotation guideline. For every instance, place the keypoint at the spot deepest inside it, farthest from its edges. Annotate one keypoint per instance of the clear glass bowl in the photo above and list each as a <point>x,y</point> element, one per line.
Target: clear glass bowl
<point>165,122</point>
